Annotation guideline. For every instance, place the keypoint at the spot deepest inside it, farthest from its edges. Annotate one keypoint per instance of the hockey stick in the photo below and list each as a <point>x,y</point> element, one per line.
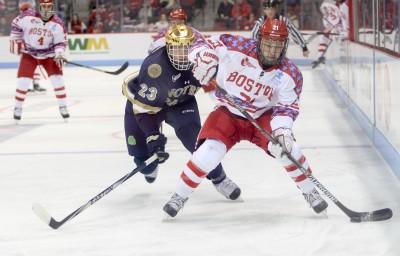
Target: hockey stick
<point>117,72</point>
<point>314,35</point>
<point>378,215</point>
<point>45,216</point>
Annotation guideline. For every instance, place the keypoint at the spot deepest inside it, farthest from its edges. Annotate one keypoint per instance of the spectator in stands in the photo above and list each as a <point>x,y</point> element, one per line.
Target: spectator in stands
<point>4,27</point>
<point>128,16</point>
<point>241,11</point>
<point>293,10</point>
<point>111,25</point>
<point>224,13</point>
<point>96,19</point>
<point>134,7</point>
<point>11,6</point>
<point>2,7</point>
<point>145,17</point>
<point>249,23</point>
<point>76,26</point>
<point>162,23</point>
<point>188,7</point>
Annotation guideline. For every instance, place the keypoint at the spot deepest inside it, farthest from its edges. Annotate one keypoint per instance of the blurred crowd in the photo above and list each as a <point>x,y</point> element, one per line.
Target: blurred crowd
<point>110,16</point>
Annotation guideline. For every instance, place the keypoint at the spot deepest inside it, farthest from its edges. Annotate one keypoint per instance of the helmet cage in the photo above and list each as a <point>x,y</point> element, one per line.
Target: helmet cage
<point>272,51</point>
<point>178,41</point>
<point>46,10</point>
<point>178,56</point>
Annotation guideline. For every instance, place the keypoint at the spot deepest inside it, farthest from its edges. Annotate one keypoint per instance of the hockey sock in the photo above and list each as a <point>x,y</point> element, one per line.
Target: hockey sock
<point>23,84</point>
<point>323,45</point>
<point>204,159</point>
<point>59,89</point>
<point>302,182</point>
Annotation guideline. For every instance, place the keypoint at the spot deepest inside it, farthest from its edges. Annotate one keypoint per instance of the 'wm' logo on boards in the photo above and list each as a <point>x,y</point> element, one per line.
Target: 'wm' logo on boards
<point>88,44</point>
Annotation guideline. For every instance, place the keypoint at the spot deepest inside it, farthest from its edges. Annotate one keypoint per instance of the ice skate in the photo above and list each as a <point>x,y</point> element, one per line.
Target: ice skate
<point>228,189</point>
<point>318,62</point>
<point>64,112</point>
<point>151,177</point>
<point>17,114</point>
<point>37,88</point>
<point>317,203</point>
<point>174,205</point>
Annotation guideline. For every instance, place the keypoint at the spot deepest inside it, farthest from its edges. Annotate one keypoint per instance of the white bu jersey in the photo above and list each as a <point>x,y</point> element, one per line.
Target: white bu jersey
<point>256,90</point>
<point>41,39</point>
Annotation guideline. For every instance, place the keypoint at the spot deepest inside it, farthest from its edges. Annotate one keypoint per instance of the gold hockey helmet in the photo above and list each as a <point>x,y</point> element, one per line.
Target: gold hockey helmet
<point>178,40</point>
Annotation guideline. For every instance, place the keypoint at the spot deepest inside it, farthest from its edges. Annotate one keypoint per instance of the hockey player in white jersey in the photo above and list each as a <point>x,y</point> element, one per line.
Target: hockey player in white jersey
<point>35,87</point>
<point>40,38</point>
<point>335,20</point>
<point>268,86</point>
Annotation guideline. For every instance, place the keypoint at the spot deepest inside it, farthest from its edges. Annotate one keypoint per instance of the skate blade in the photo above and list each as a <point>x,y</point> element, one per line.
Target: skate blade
<point>167,218</point>
<point>323,214</point>
<point>238,200</point>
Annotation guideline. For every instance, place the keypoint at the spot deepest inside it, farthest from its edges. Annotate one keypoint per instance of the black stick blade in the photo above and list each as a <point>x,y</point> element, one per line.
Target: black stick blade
<point>378,215</point>
<point>120,70</point>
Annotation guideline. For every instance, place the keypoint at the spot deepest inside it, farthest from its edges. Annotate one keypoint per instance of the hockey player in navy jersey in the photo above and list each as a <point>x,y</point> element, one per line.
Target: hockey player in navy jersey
<point>164,90</point>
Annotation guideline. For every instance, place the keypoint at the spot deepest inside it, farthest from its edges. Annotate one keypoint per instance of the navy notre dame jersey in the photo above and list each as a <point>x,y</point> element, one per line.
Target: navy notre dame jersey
<point>159,85</point>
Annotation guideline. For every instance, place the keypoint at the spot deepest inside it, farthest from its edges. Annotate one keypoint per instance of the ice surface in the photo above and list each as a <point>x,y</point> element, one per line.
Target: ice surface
<point>62,165</point>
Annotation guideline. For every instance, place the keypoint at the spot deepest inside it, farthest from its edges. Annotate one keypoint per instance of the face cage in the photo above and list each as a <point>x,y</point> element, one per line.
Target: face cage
<point>46,11</point>
<point>272,51</point>
<point>178,55</point>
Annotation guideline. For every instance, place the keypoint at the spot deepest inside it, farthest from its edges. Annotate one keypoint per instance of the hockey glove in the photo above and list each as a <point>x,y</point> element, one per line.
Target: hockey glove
<point>205,66</point>
<point>60,60</point>
<point>285,139</point>
<point>16,46</point>
<point>156,145</point>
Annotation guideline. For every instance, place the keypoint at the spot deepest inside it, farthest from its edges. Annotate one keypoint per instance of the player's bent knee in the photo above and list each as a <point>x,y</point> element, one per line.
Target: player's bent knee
<point>209,154</point>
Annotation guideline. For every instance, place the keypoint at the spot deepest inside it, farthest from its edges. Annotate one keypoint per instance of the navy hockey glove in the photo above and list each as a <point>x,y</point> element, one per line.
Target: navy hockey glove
<point>156,145</point>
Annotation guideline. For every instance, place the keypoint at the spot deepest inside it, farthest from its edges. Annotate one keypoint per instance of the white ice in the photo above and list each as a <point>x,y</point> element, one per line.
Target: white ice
<point>62,165</point>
